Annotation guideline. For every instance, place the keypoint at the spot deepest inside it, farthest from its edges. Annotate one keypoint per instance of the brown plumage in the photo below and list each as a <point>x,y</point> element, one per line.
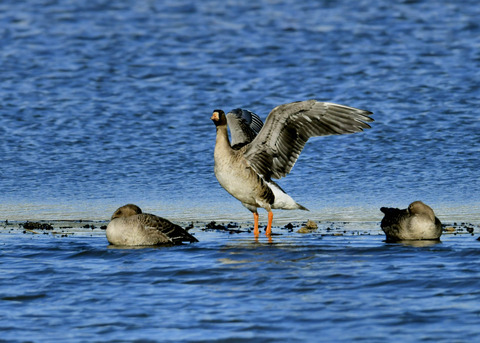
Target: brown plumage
<point>129,226</point>
<point>263,153</point>
<point>417,222</point>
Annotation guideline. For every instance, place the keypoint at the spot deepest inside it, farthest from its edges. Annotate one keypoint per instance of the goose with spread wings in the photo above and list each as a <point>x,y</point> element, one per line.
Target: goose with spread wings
<point>245,166</point>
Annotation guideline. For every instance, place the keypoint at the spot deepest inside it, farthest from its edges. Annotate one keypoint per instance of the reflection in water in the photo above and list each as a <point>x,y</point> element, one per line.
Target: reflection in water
<point>131,247</point>
<point>421,243</point>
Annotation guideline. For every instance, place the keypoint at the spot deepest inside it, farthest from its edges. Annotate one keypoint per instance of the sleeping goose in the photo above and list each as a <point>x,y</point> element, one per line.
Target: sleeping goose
<point>245,167</point>
<point>129,226</point>
<point>417,222</point>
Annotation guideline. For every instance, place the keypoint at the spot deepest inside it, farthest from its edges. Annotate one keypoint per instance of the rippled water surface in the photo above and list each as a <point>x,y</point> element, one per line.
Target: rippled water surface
<point>313,287</point>
<point>103,103</point>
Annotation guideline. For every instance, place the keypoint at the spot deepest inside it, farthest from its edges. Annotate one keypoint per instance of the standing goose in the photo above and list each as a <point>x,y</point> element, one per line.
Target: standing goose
<point>129,226</point>
<point>417,222</point>
<point>257,154</point>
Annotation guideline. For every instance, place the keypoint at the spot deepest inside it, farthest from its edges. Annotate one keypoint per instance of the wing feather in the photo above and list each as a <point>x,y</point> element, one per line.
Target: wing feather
<point>274,151</point>
<point>171,231</point>
<point>244,126</point>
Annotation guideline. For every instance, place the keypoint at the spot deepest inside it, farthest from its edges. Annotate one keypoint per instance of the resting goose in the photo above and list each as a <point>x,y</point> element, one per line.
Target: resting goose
<point>129,226</point>
<point>417,222</point>
<point>245,167</point>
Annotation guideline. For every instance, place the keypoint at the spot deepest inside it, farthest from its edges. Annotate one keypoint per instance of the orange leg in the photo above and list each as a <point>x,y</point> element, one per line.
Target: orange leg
<point>255,224</point>
<point>269,225</point>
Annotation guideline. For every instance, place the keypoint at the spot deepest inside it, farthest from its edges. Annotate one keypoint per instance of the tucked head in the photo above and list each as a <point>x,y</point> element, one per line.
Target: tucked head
<point>218,117</point>
<point>418,207</point>
<point>126,211</point>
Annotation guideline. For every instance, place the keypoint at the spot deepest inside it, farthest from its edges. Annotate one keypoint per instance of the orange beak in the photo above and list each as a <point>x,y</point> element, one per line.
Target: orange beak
<point>215,116</point>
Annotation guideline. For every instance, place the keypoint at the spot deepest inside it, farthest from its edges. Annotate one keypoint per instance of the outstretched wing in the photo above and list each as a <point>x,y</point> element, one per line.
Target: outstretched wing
<point>276,148</point>
<point>244,126</point>
<point>174,233</point>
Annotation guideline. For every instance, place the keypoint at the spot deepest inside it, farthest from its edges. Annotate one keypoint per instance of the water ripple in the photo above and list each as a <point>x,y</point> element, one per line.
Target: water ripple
<point>104,103</point>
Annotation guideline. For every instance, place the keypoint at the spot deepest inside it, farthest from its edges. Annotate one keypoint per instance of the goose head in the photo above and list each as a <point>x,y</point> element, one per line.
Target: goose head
<point>218,117</point>
<point>126,211</point>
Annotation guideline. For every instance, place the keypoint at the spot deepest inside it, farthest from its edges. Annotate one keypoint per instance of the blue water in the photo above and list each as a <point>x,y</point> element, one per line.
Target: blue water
<point>103,103</point>
<point>229,288</point>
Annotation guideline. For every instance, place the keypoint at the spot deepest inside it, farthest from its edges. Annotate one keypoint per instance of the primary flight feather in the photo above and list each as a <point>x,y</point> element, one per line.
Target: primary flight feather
<point>259,153</point>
